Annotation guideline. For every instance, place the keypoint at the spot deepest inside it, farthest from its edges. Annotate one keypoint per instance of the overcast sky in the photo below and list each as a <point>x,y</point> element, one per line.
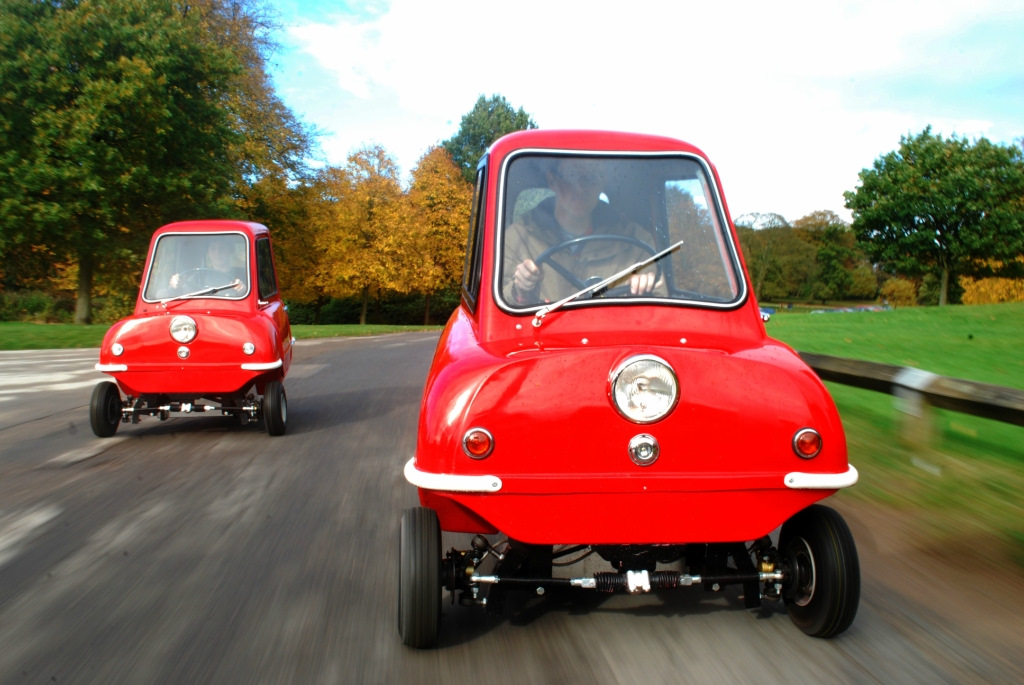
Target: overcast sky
<point>790,99</point>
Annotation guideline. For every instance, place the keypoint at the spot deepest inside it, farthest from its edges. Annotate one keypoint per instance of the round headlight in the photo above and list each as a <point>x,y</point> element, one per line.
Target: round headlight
<point>644,389</point>
<point>183,328</point>
<point>117,349</point>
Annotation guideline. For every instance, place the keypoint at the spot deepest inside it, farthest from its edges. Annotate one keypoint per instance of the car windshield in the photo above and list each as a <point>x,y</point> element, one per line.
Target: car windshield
<point>571,221</point>
<point>198,265</point>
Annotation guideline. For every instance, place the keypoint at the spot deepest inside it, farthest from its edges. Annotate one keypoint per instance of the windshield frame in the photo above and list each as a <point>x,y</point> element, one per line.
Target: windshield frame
<point>732,264</point>
<point>222,295</point>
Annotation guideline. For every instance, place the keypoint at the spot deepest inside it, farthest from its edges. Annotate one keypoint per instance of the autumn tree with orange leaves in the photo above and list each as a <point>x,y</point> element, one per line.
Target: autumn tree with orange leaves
<point>361,230</point>
<point>439,200</point>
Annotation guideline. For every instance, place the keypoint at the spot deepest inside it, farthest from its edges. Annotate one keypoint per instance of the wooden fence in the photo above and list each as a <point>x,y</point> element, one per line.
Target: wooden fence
<point>919,390</point>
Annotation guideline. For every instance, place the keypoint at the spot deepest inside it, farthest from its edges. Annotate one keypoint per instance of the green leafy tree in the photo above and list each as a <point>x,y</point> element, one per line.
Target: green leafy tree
<point>836,253</point>
<point>489,119</point>
<point>111,121</point>
<point>941,206</point>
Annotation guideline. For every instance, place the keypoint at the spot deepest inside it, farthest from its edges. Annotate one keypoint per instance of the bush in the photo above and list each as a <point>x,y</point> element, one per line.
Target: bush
<point>392,309</point>
<point>36,307</point>
<point>899,292</point>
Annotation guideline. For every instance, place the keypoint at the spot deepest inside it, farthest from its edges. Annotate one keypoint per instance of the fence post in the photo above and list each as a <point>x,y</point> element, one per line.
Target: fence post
<point>908,387</point>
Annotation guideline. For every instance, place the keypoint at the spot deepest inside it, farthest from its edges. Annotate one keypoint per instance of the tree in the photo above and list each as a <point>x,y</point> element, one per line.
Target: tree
<point>111,121</point>
<point>941,206</point>
<point>367,227</point>
<point>489,119</point>
<point>271,140</point>
<point>836,254</point>
<point>440,202</point>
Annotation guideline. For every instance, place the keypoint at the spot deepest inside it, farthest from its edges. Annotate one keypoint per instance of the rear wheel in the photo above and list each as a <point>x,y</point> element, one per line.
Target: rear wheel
<point>105,409</point>
<point>419,577</point>
<point>822,587</point>
<point>275,408</point>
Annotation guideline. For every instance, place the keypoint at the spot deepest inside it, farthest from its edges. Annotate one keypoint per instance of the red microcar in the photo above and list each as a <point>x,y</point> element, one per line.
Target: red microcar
<point>209,333</point>
<point>606,391</point>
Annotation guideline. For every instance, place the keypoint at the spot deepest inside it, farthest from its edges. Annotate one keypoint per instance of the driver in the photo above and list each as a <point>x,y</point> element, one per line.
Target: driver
<point>223,267</point>
<point>575,210</point>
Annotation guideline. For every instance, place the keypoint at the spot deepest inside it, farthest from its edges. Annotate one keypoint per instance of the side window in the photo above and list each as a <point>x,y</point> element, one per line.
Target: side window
<point>474,242</point>
<point>265,269</point>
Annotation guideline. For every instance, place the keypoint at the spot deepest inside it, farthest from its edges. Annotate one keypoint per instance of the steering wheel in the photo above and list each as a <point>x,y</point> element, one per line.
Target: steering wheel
<point>201,277</point>
<point>619,290</point>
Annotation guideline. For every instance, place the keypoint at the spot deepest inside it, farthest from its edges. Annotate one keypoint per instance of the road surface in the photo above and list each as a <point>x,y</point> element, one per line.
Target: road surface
<point>199,551</point>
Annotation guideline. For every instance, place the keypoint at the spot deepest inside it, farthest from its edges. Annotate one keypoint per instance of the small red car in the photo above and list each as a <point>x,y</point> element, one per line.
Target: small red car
<point>209,333</point>
<point>606,390</point>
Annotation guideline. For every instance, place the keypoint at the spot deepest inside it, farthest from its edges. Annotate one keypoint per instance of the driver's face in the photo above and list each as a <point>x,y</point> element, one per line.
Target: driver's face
<point>577,184</point>
<point>220,254</point>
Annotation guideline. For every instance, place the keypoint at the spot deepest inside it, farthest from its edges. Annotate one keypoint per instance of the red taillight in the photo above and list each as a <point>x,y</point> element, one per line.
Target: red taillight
<point>807,443</point>
<point>477,443</point>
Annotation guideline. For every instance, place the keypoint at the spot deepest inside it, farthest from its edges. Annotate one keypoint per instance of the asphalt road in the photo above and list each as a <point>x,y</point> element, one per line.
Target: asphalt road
<point>199,551</point>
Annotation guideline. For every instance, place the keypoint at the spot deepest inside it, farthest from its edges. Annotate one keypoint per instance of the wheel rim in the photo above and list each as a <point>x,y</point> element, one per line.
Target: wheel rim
<point>804,572</point>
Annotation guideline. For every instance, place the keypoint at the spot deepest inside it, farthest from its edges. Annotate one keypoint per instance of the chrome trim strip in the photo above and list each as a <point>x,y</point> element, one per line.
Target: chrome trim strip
<point>821,481</point>
<point>449,482</point>
<point>111,368</point>
<point>262,366</point>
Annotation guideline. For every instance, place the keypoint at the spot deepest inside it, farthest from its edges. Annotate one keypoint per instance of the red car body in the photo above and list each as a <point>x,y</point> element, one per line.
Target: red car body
<point>522,431</point>
<point>727,470</point>
<point>242,337</point>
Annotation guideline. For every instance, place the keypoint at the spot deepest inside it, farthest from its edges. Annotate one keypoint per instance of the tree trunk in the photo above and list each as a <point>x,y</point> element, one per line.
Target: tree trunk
<point>944,289</point>
<point>426,313</point>
<point>83,303</point>
<point>366,301</point>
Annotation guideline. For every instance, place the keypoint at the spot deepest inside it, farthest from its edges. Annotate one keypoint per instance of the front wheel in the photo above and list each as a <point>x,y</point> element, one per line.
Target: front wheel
<point>419,577</point>
<point>275,408</point>
<point>105,409</point>
<point>822,586</point>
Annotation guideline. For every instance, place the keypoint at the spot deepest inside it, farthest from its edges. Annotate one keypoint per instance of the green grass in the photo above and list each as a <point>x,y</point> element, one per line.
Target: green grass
<point>49,336</point>
<point>982,342</point>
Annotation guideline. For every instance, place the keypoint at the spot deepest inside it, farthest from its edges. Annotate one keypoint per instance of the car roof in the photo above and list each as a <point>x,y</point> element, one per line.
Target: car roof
<point>590,140</point>
<point>213,226</point>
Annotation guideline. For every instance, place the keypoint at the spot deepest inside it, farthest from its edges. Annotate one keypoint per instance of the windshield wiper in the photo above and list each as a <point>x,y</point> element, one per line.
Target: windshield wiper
<point>199,293</point>
<point>538,318</point>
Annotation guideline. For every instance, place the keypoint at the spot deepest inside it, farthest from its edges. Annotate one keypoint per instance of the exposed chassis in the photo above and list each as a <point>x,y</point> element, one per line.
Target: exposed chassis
<point>248,409</point>
<point>708,565</point>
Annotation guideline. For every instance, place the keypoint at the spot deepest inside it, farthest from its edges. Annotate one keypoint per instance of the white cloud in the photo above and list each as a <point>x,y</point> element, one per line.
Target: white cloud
<point>790,99</point>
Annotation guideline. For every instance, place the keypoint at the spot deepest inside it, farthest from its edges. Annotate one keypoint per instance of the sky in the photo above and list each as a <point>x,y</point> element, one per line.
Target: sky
<point>790,99</point>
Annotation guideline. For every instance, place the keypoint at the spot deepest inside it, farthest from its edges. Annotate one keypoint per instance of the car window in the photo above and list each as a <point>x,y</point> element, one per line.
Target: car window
<point>474,243</point>
<point>265,269</point>
<point>208,264</point>
<point>579,219</point>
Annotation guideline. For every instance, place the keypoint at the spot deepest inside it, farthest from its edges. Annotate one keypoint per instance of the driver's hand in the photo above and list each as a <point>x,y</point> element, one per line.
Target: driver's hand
<point>527,276</point>
<point>641,283</point>
<point>174,280</point>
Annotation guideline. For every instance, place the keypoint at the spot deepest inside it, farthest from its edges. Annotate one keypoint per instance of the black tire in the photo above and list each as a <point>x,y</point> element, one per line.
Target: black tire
<point>419,578</point>
<point>105,409</point>
<point>822,586</point>
<point>275,408</point>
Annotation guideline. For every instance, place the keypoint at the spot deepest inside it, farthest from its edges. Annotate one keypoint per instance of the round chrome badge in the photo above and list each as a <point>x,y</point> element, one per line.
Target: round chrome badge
<point>643,449</point>
<point>182,352</point>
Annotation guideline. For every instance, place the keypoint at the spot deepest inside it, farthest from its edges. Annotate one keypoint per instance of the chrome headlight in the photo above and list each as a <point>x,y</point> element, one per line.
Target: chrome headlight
<point>644,389</point>
<point>183,328</point>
